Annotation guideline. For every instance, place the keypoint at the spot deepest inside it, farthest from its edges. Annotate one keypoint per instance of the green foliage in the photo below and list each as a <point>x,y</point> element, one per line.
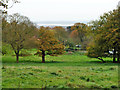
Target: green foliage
<point>95,51</point>
<point>69,44</point>
<point>106,35</point>
<point>61,34</point>
<point>6,49</point>
<point>24,52</point>
<point>79,34</point>
<point>38,53</point>
<point>17,32</point>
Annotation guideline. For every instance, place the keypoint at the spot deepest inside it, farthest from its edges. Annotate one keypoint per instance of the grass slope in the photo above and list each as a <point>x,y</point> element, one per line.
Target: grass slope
<point>66,71</point>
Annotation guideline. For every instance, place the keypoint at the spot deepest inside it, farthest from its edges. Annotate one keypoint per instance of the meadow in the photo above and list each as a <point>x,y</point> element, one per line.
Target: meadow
<point>74,70</point>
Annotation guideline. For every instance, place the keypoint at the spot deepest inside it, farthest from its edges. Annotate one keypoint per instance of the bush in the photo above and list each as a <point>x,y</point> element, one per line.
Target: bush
<point>95,51</point>
<point>6,49</point>
<point>24,52</point>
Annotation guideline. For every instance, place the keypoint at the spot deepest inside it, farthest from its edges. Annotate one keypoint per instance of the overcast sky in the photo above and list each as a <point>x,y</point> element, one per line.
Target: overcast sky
<point>63,10</point>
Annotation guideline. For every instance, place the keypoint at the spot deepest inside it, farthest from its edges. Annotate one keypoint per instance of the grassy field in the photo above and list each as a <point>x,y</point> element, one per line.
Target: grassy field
<point>67,71</point>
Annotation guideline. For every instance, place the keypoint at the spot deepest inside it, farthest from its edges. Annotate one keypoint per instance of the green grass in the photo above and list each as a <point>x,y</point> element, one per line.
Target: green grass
<point>66,71</point>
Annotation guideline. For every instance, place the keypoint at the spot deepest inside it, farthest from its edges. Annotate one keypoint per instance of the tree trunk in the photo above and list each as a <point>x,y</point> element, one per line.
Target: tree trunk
<point>114,55</point>
<point>118,56</point>
<point>17,57</point>
<point>101,60</point>
<point>43,56</point>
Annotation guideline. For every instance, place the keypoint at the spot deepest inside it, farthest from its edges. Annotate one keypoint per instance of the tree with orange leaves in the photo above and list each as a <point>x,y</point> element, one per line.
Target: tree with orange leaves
<point>46,42</point>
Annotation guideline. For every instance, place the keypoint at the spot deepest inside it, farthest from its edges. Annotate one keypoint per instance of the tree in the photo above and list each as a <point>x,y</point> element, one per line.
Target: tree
<point>109,31</point>
<point>46,42</point>
<point>17,32</point>
<point>79,34</point>
<point>118,18</point>
<point>97,48</point>
<point>112,33</point>
<point>61,34</point>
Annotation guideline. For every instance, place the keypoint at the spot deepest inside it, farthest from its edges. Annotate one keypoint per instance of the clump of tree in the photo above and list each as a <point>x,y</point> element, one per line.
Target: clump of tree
<point>17,31</point>
<point>106,35</point>
<point>63,36</point>
<point>78,33</point>
<point>47,43</point>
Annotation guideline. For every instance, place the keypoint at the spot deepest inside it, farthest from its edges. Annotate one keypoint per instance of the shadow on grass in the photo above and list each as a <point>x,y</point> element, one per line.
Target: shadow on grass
<point>35,61</point>
<point>41,61</point>
<point>60,63</point>
<point>108,63</point>
<point>30,61</point>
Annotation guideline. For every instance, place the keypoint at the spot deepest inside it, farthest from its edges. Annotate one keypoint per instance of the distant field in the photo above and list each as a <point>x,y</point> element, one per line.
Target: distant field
<point>67,71</point>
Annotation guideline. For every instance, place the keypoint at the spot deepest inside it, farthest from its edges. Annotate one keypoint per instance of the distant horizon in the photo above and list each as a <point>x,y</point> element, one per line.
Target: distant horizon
<point>59,23</point>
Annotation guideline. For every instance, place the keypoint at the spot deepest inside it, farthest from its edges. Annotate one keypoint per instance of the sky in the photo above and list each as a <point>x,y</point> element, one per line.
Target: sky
<point>63,10</point>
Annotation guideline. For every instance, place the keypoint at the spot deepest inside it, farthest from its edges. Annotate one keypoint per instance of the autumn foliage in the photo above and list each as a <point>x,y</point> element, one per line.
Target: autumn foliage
<point>46,42</point>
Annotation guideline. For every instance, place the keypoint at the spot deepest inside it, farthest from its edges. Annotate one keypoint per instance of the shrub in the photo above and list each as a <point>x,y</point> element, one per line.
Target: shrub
<point>24,52</point>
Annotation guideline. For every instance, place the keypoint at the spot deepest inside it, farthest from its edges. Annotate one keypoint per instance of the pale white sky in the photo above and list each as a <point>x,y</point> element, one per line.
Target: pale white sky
<point>63,10</point>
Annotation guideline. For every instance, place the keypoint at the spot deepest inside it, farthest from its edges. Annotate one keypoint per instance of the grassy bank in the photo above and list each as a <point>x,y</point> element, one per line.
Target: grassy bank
<point>67,71</point>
